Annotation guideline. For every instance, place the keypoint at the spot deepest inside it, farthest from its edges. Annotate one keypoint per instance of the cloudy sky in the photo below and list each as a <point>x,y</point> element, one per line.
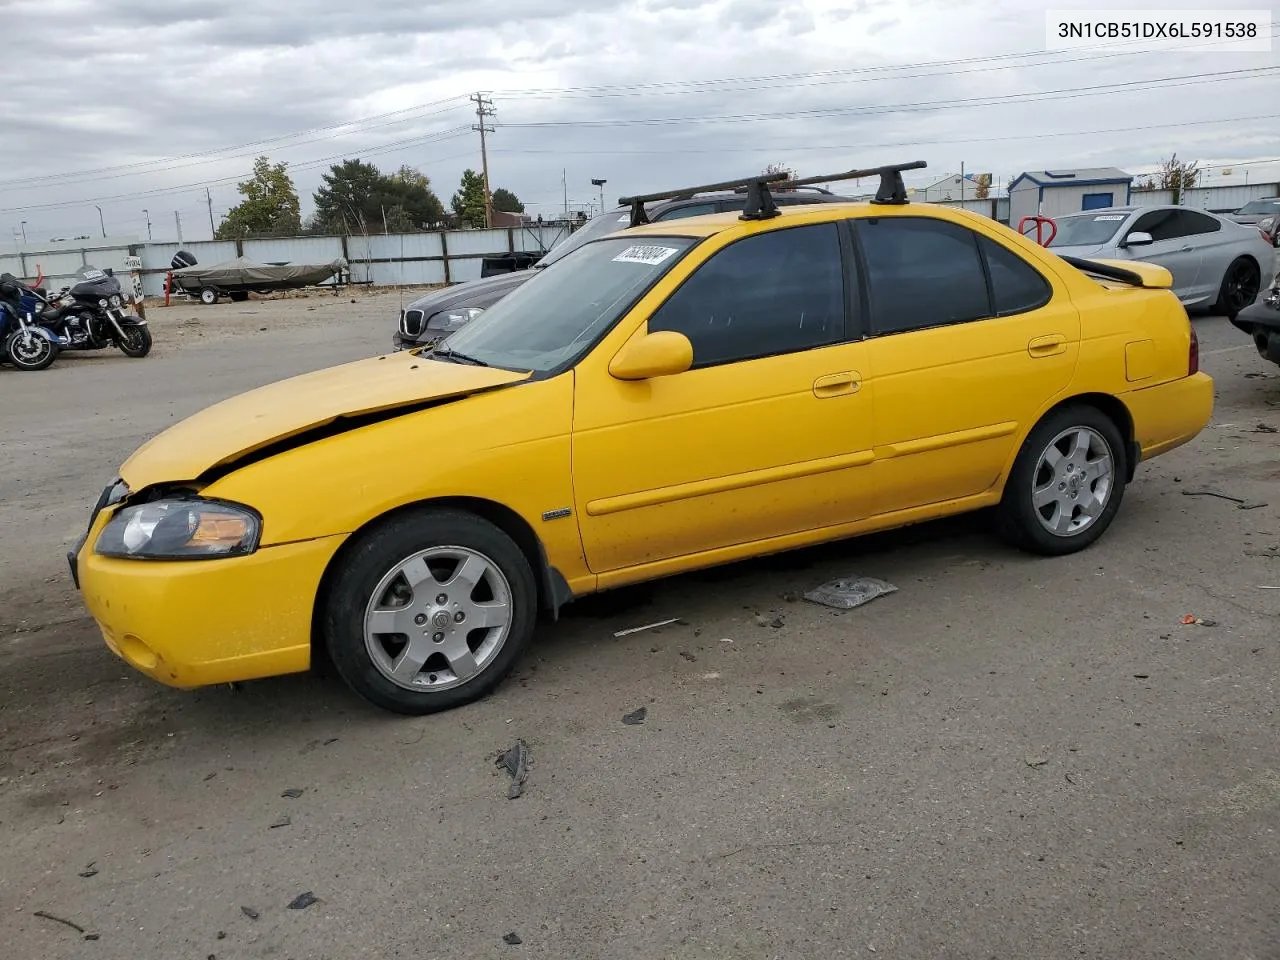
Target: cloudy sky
<point>133,105</point>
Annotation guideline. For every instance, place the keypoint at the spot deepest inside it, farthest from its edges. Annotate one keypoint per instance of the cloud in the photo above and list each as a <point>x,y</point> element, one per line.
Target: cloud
<point>170,85</point>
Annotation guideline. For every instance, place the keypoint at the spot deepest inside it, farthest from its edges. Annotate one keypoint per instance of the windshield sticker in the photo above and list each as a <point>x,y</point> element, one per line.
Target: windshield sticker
<point>1109,216</point>
<point>648,254</point>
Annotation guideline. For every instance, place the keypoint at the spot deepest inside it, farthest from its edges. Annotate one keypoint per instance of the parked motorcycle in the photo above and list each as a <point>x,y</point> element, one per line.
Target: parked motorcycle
<point>90,315</point>
<point>24,342</point>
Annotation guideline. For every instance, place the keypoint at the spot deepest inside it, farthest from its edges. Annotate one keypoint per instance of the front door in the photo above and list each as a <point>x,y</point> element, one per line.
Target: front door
<point>1174,248</point>
<point>768,434</point>
<point>962,367</point>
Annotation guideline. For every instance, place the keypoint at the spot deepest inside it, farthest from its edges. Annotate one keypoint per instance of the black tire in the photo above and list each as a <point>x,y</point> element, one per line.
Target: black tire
<point>208,296</point>
<point>363,567</point>
<point>30,353</point>
<point>1019,520</point>
<point>136,342</point>
<point>238,296</point>
<point>1240,286</point>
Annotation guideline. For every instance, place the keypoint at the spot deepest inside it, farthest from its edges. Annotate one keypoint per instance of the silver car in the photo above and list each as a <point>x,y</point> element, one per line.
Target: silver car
<point>1215,263</point>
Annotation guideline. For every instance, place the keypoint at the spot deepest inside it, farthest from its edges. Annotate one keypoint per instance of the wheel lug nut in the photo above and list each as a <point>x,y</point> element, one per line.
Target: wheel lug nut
<point>459,617</point>
<point>420,619</point>
<point>442,599</point>
<point>438,637</point>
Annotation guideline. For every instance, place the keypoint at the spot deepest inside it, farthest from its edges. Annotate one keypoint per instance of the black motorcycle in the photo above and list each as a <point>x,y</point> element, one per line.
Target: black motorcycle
<point>90,315</point>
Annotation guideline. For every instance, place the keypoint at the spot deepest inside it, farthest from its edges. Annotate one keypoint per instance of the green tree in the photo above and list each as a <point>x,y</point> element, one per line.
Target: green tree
<point>270,206</point>
<point>1178,176</point>
<point>357,196</point>
<point>468,202</point>
<point>506,201</point>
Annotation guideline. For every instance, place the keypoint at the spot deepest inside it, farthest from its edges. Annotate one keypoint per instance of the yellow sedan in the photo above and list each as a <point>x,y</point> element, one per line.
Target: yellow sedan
<point>667,398</point>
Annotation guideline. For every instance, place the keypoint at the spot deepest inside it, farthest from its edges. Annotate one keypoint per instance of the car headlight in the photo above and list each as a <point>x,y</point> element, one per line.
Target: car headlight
<point>102,303</point>
<point>180,529</point>
<point>454,319</point>
<point>115,300</point>
<point>1268,224</point>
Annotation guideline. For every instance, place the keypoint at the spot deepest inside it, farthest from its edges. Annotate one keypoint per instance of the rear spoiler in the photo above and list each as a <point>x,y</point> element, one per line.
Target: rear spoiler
<point>1134,273</point>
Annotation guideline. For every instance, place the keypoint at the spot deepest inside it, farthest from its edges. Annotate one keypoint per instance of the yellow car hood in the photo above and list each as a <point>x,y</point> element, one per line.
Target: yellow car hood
<point>246,423</point>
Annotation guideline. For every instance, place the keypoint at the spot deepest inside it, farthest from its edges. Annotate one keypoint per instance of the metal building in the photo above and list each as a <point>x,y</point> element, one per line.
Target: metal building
<point>1055,193</point>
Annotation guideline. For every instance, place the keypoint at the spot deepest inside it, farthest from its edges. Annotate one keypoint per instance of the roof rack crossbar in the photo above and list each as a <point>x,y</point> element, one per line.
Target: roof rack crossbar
<point>891,191</point>
<point>637,202</point>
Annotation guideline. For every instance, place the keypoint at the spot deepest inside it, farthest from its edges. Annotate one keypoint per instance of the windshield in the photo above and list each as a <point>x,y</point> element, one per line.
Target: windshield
<point>593,229</point>
<point>1087,230</point>
<point>557,315</point>
<point>1260,206</point>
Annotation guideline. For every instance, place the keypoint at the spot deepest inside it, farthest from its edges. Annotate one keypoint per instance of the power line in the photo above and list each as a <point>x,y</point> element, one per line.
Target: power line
<point>921,106</point>
<point>810,146</point>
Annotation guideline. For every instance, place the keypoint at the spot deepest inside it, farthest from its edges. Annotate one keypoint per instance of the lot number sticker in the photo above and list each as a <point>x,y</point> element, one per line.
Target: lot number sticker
<point>1109,216</point>
<point>648,254</point>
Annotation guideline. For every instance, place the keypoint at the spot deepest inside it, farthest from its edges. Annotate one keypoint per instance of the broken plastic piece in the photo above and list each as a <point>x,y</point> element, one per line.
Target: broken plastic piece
<point>516,762</point>
<point>845,594</point>
<point>303,900</point>
<point>636,717</point>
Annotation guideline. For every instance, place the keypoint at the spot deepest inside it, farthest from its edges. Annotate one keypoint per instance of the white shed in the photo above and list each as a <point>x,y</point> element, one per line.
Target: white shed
<point>949,188</point>
<point>1055,193</point>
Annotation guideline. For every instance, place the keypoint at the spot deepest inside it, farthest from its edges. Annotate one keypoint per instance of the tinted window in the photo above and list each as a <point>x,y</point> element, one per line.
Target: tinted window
<point>693,210</point>
<point>1193,223</point>
<point>921,273</point>
<point>1016,286</point>
<point>1162,225</point>
<point>773,293</point>
<point>1260,207</point>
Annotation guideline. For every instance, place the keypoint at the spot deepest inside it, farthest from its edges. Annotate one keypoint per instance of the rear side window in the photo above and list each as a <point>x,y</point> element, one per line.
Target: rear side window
<point>767,294</point>
<point>1194,223</point>
<point>921,273</point>
<point>1016,286</point>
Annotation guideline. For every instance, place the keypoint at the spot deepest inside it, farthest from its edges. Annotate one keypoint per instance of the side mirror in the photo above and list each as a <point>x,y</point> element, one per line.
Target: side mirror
<point>658,354</point>
<point>1137,239</point>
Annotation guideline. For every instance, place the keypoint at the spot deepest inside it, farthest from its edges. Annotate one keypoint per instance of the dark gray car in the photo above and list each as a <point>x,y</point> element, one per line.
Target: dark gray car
<point>441,312</point>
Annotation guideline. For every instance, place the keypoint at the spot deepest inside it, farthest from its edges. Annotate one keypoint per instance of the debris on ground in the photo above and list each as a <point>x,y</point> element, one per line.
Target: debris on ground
<point>636,717</point>
<point>210,776</point>
<point>776,622</point>
<point>513,939</point>
<point>790,597</point>
<point>303,900</point>
<point>280,822</point>
<point>1191,618</point>
<point>1142,676</point>
<point>847,593</point>
<point>293,793</point>
<point>249,912</point>
<point>647,626</point>
<point>515,761</point>
<point>1264,428</point>
<point>1240,504</point>
<point>89,870</point>
<point>45,915</point>
<point>1035,761</point>
<point>725,640</point>
<point>1270,553</point>
<point>689,656</point>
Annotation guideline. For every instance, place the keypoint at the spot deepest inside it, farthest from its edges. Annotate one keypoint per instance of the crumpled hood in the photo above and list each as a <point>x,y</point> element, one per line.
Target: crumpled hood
<point>473,293</point>
<point>243,424</point>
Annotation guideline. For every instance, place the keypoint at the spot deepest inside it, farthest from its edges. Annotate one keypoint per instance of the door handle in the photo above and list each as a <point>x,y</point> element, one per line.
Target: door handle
<point>1185,249</point>
<point>836,385</point>
<point>1049,346</point>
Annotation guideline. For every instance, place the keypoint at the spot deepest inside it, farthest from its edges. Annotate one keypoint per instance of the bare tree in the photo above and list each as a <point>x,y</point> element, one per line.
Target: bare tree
<point>1178,176</point>
<point>983,181</point>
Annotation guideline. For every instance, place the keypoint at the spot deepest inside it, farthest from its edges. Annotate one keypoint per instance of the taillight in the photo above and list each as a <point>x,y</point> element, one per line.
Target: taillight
<point>1193,354</point>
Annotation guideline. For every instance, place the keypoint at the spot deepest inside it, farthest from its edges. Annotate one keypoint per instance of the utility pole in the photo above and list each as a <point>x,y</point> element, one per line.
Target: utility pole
<point>600,184</point>
<point>564,182</point>
<point>177,218</point>
<point>209,200</point>
<point>962,183</point>
<point>102,223</point>
<point>147,214</point>
<point>484,108</point>
<point>24,233</point>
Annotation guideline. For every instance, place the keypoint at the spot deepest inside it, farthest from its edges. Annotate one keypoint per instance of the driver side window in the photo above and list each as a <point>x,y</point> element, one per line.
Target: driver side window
<point>772,293</point>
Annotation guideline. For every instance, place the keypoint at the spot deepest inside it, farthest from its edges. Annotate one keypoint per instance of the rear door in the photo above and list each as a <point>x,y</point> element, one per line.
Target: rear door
<point>969,343</point>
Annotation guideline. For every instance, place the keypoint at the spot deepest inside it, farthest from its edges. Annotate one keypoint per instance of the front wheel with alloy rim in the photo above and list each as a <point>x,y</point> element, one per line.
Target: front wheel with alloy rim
<point>1240,286</point>
<point>28,350</point>
<point>1066,484</point>
<point>429,611</point>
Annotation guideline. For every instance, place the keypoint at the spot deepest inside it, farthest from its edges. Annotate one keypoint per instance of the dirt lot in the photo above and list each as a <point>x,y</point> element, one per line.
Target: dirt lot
<point>1009,757</point>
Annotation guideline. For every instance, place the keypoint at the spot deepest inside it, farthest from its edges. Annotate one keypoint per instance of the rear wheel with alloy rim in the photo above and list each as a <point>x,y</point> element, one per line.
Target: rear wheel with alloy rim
<point>1066,484</point>
<point>429,611</point>
<point>1240,286</point>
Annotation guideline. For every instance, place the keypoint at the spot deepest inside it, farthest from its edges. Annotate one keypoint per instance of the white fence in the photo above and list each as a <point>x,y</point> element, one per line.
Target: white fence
<point>413,258</point>
<point>1216,199</point>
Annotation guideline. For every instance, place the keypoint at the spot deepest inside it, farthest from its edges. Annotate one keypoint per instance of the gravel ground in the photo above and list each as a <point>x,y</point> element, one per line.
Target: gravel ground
<point>1009,757</point>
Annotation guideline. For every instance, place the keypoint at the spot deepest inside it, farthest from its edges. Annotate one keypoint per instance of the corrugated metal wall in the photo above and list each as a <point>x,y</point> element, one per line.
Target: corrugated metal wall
<point>1218,199</point>
<point>412,258</point>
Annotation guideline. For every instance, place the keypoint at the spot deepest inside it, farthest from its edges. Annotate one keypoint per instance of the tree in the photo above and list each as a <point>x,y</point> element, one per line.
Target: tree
<point>773,168</point>
<point>358,196</point>
<point>506,201</point>
<point>270,206</point>
<point>1178,176</point>
<point>468,202</point>
<point>983,189</point>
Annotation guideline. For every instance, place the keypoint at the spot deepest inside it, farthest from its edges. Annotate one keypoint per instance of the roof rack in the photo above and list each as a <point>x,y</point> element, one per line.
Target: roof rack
<point>759,203</point>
